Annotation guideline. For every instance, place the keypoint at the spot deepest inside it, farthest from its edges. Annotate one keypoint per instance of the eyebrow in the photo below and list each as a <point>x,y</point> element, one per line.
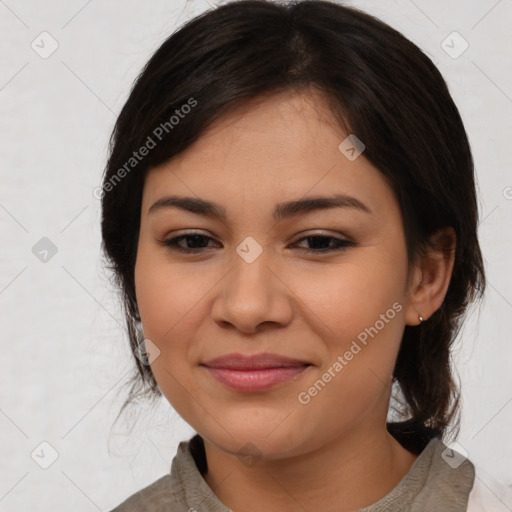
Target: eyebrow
<point>282,211</point>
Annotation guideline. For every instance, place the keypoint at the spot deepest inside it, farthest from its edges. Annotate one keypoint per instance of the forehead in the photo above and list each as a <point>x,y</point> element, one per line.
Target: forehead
<point>269,150</point>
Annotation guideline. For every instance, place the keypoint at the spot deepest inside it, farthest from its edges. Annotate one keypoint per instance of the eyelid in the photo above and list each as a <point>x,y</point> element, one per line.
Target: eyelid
<point>302,234</point>
<point>341,242</point>
<point>190,232</point>
<point>322,232</point>
<point>309,232</point>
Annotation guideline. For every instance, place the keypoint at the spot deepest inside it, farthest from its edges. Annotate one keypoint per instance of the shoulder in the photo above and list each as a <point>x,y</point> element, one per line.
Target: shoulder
<point>156,497</point>
<point>181,490</point>
<point>489,495</point>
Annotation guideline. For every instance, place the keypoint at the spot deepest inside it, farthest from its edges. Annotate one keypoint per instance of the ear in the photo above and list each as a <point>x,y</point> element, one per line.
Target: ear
<point>431,277</point>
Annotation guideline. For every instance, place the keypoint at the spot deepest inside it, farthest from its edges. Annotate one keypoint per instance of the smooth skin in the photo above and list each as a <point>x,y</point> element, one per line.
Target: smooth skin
<point>333,453</point>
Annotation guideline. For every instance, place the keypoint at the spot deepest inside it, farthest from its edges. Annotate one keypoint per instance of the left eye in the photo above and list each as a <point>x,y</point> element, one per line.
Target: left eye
<point>321,243</point>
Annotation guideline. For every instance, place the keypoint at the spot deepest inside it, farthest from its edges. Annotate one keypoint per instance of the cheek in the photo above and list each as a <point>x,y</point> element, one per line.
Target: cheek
<point>169,304</point>
<point>358,312</point>
<point>170,309</point>
<point>351,296</point>
<point>165,293</point>
<point>173,304</point>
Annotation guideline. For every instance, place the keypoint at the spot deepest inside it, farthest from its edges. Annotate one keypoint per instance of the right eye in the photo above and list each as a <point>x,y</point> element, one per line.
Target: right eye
<point>190,239</point>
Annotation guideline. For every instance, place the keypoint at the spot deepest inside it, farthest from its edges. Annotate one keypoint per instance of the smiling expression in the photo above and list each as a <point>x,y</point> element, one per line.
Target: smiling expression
<point>292,250</point>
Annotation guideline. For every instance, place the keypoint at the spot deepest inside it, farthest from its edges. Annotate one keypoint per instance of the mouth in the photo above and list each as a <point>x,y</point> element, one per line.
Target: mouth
<point>254,373</point>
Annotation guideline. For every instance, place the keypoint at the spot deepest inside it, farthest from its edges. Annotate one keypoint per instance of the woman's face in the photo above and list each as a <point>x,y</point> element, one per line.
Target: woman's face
<point>256,284</point>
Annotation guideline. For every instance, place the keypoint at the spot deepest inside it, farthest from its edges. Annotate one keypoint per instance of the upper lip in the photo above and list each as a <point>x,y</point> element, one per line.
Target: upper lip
<point>253,362</point>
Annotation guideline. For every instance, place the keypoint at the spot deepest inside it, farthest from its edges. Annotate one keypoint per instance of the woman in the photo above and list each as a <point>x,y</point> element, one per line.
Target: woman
<point>289,209</point>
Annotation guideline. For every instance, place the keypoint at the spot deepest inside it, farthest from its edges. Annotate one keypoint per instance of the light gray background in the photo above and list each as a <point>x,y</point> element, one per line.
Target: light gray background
<point>64,356</point>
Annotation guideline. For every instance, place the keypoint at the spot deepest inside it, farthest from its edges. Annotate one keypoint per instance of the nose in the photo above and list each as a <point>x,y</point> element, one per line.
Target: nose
<point>252,296</point>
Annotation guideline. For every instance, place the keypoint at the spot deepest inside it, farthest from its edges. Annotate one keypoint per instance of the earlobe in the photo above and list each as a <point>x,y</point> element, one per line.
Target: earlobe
<point>432,278</point>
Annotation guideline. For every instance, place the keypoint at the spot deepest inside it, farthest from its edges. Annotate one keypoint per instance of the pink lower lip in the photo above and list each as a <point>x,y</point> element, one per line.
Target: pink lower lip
<point>255,380</point>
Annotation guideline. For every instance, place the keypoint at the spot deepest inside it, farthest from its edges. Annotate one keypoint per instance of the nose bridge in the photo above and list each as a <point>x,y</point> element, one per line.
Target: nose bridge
<point>251,277</point>
<point>251,293</point>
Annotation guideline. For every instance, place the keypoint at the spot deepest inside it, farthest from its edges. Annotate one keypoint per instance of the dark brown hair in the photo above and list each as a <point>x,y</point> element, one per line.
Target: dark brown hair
<point>382,88</point>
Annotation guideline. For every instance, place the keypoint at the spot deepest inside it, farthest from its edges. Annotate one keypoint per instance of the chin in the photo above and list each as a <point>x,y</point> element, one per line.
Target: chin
<point>269,440</point>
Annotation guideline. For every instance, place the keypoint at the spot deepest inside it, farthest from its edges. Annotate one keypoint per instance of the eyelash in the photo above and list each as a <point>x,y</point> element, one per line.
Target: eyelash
<point>341,244</point>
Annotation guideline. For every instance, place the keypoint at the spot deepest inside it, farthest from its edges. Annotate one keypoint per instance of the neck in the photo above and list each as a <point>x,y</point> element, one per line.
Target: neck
<point>348,473</point>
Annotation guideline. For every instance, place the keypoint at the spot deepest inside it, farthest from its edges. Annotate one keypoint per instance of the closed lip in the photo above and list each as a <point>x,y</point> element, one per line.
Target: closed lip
<point>254,373</point>
<point>253,362</point>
